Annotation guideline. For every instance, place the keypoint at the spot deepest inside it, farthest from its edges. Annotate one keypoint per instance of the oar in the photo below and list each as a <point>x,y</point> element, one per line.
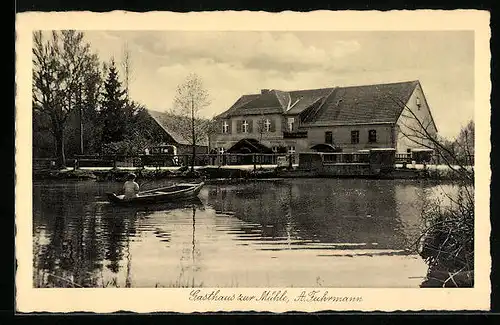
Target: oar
<point>141,186</point>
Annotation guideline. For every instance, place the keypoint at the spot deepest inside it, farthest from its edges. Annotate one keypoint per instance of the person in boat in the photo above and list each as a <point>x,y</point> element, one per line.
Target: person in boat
<point>130,188</point>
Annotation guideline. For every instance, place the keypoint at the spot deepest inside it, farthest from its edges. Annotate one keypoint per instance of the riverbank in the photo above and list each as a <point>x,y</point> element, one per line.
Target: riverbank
<point>233,173</point>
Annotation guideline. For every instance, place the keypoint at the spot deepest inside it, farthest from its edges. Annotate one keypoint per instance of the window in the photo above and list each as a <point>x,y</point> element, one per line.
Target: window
<point>267,125</point>
<point>244,126</point>
<point>225,127</point>
<point>291,122</point>
<point>221,151</point>
<point>417,101</point>
<point>372,136</point>
<point>329,137</point>
<point>291,149</point>
<point>275,149</point>
<point>355,137</point>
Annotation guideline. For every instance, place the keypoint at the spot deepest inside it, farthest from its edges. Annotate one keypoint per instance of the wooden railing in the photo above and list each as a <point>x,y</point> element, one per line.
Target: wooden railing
<point>403,158</point>
<point>340,157</point>
<point>168,160</point>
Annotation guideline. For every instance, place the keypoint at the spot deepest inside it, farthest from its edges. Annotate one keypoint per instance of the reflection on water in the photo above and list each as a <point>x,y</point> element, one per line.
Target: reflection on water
<point>307,232</point>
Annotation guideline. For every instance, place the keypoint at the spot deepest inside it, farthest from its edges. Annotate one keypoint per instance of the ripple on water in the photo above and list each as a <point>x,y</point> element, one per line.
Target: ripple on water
<point>277,234</point>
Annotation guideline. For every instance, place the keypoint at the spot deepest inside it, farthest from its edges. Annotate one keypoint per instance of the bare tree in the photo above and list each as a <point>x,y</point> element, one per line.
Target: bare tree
<point>60,66</point>
<point>190,99</point>
<point>127,70</point>
<point>465,144</point>
<point>447,240</point>
<point>419,132</point>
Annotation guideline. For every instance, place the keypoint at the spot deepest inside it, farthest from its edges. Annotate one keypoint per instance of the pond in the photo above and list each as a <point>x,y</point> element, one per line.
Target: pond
<point>282,233</point>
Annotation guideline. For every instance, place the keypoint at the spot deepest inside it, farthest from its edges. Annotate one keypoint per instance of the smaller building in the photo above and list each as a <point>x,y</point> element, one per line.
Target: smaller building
<point>176,142</point>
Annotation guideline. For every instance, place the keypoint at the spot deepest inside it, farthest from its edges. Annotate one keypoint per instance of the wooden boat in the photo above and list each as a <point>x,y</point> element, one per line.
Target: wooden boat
<point>173,193</point>
<point>129,210</point>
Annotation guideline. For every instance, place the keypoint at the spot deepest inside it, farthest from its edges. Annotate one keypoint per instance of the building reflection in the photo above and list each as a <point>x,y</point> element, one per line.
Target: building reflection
<point>331,211</point>
<point>81,240</point>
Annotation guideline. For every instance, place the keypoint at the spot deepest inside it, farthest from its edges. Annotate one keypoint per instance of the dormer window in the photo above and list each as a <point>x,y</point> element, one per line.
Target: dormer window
<point>417,101</point>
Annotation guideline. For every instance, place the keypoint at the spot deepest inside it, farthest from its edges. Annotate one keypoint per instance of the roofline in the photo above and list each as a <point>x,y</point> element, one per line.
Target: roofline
<point>426,103</point>
<point>248,113</point>
<point>164,129</point>
<point>380,84</point>
<point>184,143</point>
<point>311,89</point>
<point>428,107</point>
<point>326,124</point>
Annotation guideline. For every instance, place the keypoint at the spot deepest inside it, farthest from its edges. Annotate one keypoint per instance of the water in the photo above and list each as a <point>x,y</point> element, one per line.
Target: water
<point>288,233</point>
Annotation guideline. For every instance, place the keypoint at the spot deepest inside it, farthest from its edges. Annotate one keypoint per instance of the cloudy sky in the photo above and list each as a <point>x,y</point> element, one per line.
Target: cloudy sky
<point>235,63</point>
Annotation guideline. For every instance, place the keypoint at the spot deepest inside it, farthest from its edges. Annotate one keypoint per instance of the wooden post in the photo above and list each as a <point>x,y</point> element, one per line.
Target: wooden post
<point>254,162</point>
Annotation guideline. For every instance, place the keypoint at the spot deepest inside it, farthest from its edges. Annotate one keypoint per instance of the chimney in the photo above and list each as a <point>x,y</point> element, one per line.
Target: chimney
<point>264,91</point>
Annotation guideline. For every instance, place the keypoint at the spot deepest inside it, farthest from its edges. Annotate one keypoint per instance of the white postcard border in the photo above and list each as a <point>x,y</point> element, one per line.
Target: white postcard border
<point>29,299</point>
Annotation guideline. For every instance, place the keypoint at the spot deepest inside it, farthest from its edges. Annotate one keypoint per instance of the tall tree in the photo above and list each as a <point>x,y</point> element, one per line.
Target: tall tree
<point>60,64</point>
<point>113,107</point>
<point>190,99</point>
<point>89,93</point>
<point>127,70</point>
<point>131,108</point>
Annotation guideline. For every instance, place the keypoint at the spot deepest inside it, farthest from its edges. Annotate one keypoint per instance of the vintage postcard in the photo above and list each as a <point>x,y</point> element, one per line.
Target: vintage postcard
<point>252,161</point>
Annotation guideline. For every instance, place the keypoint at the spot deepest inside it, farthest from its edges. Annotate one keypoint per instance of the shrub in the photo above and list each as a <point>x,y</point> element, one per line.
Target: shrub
<point>447,243</point>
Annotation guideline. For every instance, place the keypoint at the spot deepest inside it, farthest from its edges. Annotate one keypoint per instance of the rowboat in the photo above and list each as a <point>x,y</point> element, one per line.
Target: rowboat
<point>173,193</point>
<point>129,210</point>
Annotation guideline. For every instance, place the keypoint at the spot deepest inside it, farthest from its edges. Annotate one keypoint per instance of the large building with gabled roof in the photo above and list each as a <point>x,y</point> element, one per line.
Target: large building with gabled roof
<point>344,119</point>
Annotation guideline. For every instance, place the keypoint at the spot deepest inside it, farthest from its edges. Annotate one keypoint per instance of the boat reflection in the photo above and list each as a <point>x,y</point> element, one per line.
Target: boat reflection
<point>153,207</point>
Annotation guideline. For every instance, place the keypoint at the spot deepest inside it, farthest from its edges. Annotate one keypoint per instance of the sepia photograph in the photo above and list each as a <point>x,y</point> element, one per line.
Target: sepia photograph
<point>222,159</point>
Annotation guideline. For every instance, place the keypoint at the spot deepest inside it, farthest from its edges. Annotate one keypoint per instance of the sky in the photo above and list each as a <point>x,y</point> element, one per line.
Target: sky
<point>235,63</point>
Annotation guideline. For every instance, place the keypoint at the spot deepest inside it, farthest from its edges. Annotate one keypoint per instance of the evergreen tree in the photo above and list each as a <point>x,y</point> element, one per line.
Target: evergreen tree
<point>113,108</point>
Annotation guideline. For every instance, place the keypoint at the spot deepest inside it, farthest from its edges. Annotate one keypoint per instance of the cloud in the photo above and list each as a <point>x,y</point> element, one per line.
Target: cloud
<point>259,50</point>
<point>235,63</point>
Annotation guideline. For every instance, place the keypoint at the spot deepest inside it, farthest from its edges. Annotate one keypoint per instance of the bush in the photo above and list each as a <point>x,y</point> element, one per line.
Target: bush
<point>125,147</point>
<point>447,243</point>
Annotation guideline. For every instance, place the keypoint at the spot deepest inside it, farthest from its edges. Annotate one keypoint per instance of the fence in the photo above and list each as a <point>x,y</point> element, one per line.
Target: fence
<point>339,158</point>
<point>169,160</point>
<point>163,160</point>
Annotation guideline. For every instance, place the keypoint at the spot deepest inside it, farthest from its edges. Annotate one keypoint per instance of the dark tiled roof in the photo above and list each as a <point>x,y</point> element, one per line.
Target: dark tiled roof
<point>265,100</point>
<point>356,104</point>
<point>283,98</point>
<point>365,104</point>
<point>254,145</point>
<point>178,127</point>
<point>303,99</point>
<point>236,108</point>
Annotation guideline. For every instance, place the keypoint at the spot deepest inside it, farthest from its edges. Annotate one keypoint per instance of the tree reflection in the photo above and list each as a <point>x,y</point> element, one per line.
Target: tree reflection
<point>79,236</point>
